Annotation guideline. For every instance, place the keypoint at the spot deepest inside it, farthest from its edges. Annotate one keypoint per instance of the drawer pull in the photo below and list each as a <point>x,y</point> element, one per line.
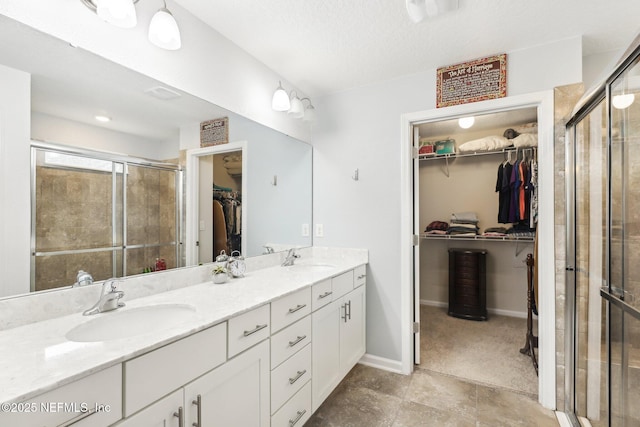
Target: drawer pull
<point>296,341</point>
<point>362,276</point>
<point>253,331</point>
<point>344,306</point>
<point>198,403</point>
<point>180,416</point>
<point>299,415</point>
<point>297,377</point>
<point>298,307</point>
<point>326,294</point>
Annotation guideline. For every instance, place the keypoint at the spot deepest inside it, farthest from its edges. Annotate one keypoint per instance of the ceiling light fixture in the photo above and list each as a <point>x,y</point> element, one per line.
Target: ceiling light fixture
<point>164,31</point>
<point>466,122</point>
<point>163,28</point>
<point>292,104</point>
<point>622,101</point>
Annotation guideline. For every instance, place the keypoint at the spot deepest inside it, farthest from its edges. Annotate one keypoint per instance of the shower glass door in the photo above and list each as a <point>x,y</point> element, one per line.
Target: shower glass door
<point>603,243</point>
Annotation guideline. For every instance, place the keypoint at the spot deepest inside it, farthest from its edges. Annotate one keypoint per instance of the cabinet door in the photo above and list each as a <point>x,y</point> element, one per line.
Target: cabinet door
<point>325,352</point>
<point>235,394</point>
<point>163,413</point>
<point>352,329</point>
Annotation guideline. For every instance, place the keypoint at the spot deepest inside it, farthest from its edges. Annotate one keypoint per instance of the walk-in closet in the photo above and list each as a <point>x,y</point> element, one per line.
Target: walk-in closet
<point>477,213</point>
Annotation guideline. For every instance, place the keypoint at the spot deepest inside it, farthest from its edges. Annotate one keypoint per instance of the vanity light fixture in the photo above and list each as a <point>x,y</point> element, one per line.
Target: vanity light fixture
<point>419,10</point>
<point>292,104</point>
<point>164,31</point>
<point>163,28</point>
<point>466,122</point>
<point>296,110</point>
<point>280,101</point>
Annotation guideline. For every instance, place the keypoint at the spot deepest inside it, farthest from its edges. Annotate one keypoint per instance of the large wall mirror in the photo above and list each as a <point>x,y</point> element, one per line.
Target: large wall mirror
<point>129,177</point>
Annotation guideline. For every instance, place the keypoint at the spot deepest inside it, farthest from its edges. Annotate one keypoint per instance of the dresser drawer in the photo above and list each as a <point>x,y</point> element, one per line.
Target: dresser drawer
<point>288,309</point>
<point>290,340</point>
<point>342,284</point>
<point>359,276</point>
<point>290,377</point>
<point>159,372</point>
<point>321,294</point>
<point>248,329</point>
<point>296,411</point>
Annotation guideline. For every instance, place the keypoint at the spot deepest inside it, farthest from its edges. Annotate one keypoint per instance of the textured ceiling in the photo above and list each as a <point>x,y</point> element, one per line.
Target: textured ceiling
<point>324,46</point>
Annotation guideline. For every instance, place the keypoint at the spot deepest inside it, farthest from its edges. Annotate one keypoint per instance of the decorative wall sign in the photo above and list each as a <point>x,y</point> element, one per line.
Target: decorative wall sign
<point>472,81</point>
<point>214,132</point>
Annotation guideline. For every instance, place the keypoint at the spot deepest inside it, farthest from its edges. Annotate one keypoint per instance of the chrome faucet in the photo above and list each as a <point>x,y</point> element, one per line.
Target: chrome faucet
<point>290,258</point>
<point>109,299</point>
<point>268,249</point>
<point>83,279</point>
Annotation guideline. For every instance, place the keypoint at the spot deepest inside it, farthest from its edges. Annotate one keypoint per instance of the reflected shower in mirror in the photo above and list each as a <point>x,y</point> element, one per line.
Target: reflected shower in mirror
<point>155,124</point>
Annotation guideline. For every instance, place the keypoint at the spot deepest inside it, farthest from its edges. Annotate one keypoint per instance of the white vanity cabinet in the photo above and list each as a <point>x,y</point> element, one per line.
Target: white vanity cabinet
<point>339,338</point>
<point>93,401</point>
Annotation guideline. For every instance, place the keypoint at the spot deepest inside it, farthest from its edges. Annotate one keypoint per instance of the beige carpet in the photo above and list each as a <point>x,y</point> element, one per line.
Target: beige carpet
<point>483,352</point>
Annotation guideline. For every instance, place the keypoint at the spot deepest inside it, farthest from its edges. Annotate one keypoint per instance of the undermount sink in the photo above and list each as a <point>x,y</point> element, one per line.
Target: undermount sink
<point>314,268</point>
<point>114,325</point>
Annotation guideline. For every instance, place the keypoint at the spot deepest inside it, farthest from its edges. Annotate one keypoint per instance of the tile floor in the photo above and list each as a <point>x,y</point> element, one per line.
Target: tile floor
<point>371,397</point>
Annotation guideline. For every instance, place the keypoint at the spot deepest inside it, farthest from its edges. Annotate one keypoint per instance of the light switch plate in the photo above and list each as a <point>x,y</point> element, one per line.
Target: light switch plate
<point>305,230</point>
<point>319,230</point>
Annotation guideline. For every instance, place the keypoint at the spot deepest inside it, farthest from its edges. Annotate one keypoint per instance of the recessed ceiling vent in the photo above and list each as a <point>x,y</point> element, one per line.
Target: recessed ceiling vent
<point>162,93</point>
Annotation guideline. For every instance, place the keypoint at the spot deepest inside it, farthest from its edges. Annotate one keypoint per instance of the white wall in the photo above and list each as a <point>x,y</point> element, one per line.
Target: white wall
<point>360,128</point>
<point>208,65</point>
<point>15,222</point>
<point>52,129</point>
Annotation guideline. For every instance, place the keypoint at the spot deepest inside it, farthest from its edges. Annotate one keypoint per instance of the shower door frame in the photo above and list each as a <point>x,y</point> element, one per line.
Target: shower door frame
<point>123,246</point>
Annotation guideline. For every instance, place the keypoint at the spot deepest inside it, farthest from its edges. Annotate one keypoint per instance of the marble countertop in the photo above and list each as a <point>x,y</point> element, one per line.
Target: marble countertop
<point>38,357</point>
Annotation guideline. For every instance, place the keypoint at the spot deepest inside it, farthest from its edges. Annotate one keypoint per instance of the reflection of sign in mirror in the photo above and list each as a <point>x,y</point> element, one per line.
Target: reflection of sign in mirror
<point>214,132</point>
<point>472,81</point>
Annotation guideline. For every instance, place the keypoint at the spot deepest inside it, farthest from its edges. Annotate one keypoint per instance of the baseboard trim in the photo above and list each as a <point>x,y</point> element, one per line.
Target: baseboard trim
<point>496,311</point>
<point>381,363</point>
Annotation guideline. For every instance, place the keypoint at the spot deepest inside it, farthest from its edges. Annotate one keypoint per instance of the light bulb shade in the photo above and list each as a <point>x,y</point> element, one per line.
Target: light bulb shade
<point>309,114</point>
<point>280,100</point>
<point>417,10</point>
<point>622,101</point>
<point>297,109</point>
<point>120,13</point>
<point>164,31</point>
<point>466,122</point>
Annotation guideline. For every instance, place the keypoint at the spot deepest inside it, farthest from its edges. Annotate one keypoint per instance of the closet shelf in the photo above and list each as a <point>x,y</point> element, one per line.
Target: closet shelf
<point>469,154</point>
<point>478,237</point>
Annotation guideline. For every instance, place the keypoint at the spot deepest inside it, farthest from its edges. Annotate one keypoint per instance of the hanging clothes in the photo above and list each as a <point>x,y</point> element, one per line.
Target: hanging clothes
<point>231,206</point>
<point>503,188</point>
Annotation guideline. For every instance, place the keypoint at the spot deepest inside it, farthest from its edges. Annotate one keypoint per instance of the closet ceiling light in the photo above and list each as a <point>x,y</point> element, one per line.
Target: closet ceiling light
<point>164,31</point>
<point>466,122</point>
<point>622,101</point>
<point>280,101</point>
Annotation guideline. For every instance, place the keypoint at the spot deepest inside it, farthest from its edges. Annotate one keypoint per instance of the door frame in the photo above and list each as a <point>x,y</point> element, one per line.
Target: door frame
<point>544,103</point>
<point>193,189</point>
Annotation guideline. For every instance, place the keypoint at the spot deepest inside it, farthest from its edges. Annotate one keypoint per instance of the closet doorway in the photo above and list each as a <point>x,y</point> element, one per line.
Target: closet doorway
<point>216,181</point>
<point>433,264</point>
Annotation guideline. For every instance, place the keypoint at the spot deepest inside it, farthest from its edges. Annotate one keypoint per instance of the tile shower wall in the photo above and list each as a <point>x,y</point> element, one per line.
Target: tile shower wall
<point>565,98</point>
<point>73,212</point>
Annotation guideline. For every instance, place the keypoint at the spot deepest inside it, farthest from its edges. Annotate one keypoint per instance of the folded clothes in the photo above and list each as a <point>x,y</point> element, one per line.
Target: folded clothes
<point>463,225</point>
<point>464,217</point>
<point>500,230</point>
<point>436,232</point>
<point>437,225</point>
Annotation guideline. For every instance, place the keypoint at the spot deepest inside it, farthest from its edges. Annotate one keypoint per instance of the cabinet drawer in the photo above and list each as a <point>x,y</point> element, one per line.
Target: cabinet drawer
<point>321,294</point>
<point>79,400</point>
<point>359,276</point>
<point>296,411</point>
<point>248,329</point>
<point>342,284</point>
<point>155,374</point>
<point>290,340</point>
<point>290,377</point>
<point>288,309</point>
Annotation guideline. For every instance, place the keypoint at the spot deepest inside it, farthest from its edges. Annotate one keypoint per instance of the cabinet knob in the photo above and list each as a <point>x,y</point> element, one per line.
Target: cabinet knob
<point>299,415</point>
<point>298,307</point>
<point>326,294</point>
<point>299,374</point>
<point>297,340</point>
<point>256,329</point>
<point>198,403</point>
